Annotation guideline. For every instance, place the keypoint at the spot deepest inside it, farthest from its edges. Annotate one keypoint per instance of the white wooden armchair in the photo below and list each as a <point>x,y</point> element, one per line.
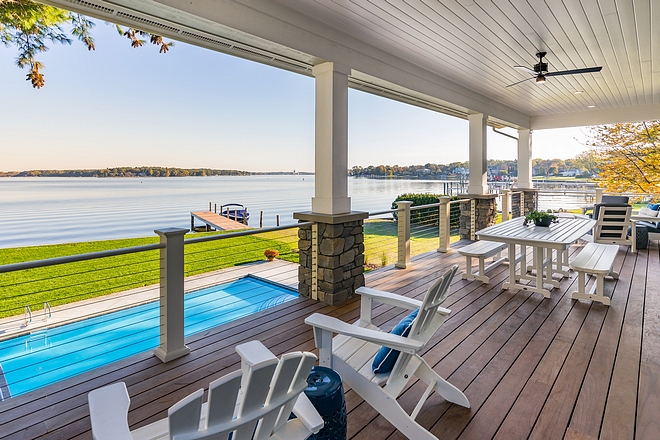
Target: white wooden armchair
<point>352,353</point>
<point>252,403</point>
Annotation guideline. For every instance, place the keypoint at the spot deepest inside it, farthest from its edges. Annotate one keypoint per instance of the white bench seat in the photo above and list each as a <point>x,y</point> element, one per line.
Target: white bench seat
<point>597,259</point>
<point>481,249</point>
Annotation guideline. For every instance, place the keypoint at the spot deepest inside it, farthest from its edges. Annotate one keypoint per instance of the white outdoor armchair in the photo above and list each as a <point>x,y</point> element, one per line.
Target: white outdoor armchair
<point>352,352</point>
<point>252,403</point>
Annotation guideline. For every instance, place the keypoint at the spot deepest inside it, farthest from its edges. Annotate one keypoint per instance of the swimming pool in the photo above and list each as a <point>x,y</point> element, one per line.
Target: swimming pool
<point>44,357</point>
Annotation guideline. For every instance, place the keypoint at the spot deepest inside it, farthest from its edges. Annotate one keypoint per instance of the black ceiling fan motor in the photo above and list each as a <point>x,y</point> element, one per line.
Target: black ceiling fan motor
<point>540,67</point>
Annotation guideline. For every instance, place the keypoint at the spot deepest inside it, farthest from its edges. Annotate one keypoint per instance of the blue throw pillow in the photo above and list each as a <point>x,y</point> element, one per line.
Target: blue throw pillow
<point>654,206</point>
<point>386,357</point>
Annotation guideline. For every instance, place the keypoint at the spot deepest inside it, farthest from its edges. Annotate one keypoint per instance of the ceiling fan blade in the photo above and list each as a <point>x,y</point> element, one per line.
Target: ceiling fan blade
<point>520,82</point>
<point>525,69</point>
<point>575,71</point>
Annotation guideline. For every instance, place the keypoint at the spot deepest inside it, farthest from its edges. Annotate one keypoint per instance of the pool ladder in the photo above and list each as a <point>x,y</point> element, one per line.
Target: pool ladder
<point>27,313</point>
<point>47,312</point>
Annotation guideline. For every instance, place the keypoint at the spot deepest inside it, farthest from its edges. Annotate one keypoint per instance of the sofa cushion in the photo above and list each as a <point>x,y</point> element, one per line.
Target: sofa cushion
<point>654,206</point>
<point>386,357</point>
<point>648,212</point>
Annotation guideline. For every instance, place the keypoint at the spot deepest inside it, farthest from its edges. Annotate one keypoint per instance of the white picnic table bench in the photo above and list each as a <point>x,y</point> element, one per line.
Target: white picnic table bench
<point>597,259</point>
<point>481,250</point>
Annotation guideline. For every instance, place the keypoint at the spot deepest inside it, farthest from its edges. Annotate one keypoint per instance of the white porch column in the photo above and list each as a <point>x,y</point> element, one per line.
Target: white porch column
<point>478,154</point>
<point>525,158</point>
<point>331,163</point>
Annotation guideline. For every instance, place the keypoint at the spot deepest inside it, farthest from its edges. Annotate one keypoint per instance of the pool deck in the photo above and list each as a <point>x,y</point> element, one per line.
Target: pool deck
<point>280,271</point>
<point>532,368</point>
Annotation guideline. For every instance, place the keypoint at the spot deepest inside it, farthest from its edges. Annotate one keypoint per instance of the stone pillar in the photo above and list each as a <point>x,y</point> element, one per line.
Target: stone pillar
<point>485,213</point>
<point>331,140</point>
<point>335,269</point>
<point>529,198</point>
<point>478,154</point>
<point>171,295</point>
<point>525,159</point>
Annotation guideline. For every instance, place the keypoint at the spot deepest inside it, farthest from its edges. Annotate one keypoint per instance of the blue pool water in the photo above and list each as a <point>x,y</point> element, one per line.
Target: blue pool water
<point>44,357</point>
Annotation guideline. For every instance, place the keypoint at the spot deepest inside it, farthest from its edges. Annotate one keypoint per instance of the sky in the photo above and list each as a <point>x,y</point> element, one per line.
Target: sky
<point>196,108</point>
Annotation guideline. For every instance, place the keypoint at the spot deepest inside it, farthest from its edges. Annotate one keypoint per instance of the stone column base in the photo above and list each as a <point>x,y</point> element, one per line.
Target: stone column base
<point>485,213</point>
<point>530,204</point>
<point>339,264</point>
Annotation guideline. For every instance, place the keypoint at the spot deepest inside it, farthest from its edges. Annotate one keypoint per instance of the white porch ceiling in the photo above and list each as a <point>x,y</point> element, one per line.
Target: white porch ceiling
<point>475,43</point>
<point>456,55</point>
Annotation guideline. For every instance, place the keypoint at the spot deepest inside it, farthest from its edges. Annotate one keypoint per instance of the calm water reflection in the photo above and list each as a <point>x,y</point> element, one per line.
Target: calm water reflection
<point>37,211</point>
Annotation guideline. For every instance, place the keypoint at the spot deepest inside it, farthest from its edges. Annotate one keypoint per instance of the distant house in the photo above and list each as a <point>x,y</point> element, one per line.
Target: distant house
<point>459,170</point>
<point>570,173</point>
<point>494,170</point>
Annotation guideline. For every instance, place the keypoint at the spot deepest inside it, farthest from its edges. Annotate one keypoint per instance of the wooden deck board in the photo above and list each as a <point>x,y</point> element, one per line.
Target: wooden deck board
<point>531,367</point>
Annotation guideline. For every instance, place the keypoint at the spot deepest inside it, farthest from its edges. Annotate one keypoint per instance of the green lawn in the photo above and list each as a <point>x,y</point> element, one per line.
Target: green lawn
<point>66,283</point>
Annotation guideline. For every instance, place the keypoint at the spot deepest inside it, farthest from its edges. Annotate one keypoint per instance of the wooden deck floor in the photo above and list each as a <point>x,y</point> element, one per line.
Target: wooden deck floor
<point>531,367</point>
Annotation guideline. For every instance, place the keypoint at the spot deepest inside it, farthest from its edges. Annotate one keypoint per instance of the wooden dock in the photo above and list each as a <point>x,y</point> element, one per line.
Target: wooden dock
<point>215,221</point>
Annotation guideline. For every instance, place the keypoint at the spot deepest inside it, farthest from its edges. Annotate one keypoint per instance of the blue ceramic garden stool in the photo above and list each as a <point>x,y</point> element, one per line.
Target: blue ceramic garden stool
<point>325,391</point>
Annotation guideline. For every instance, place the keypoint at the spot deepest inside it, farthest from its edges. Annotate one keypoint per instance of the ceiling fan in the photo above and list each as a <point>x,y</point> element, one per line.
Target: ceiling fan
<point>540,71</point>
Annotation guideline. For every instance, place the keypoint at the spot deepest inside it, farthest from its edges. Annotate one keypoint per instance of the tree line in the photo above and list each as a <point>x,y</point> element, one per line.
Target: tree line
<point>135,172</point>
<point>584,165</point>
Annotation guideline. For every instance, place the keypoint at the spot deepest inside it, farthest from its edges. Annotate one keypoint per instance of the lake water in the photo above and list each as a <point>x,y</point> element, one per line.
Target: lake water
<point>36,211</point>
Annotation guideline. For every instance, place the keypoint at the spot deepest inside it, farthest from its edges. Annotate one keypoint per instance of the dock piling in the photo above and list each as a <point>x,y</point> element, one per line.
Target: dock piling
<point>261,219</point>
<point>278,219</point>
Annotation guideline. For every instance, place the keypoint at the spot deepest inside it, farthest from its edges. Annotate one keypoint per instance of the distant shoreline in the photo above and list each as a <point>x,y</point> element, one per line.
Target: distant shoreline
<point>144,172</point>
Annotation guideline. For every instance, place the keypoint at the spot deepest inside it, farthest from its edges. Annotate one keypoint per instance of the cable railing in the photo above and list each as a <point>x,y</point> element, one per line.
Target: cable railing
<point>112,276</point>
<point>393,236</point>
<point>74,280</point>
<point>232,252</point>
<point>380,239</point>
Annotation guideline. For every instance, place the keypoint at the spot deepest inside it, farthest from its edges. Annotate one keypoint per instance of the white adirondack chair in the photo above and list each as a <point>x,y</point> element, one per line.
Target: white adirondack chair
<point>252,403</point>
<point>352,351</point>
<point>612,225</point>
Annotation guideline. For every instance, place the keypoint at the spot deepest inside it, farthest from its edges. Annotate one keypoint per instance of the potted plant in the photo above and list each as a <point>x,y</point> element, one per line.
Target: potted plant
<point>540,218</point>
<point>271,254</point>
